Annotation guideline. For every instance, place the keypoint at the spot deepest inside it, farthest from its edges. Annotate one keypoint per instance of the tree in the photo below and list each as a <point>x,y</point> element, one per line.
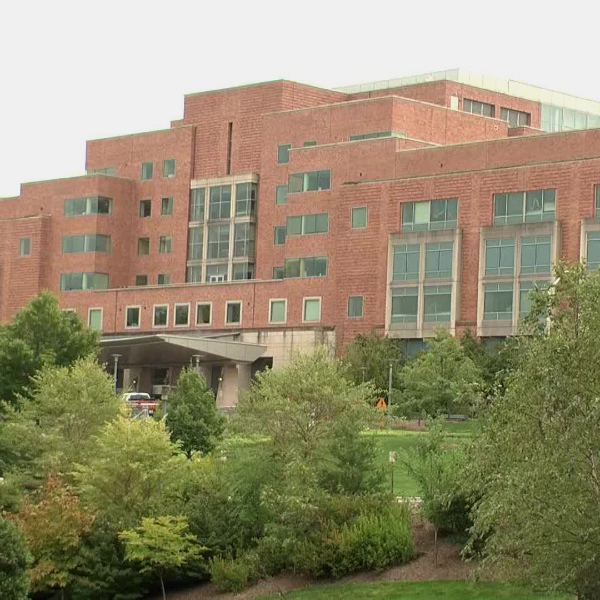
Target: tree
<point>40,334</point>
<point>537,460</point>
<point>442,379</point>
<point>14,562</point>
<point>161,544</point>
<point>193,418</point>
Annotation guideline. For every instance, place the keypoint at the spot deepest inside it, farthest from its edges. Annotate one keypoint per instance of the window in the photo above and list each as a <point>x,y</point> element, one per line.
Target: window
<point>281,194</point>
<point>141,280</point>
<point>406,262</point>
<point>277,311</point>
<point>164,279</point>
<point>218,241</point>
<point>309,143</point>
<point>101,171</point>
<point>404,305</point>
<point>499,257</point>
<point>475,107</point>
<point>147,170</point>
<point>194,274</point>
<point>95,318</point>
<point>593,250</point>
<point>143,246</point>
<point>203,313</point>
<point>498,302</point>
<point>229,146</point>
<point>306,267</point>
<point>359,217</point>
<point>438,299</point>
<point>164,244</point>
<point>516,118</point>
<point>220,202</point>
<point>283,153</point>
<point>278,272</point>
<point>90,205</point>
<point>525,299</point>
<point>311,310</point>
<point>535,254</point>
<point>438,260</point>
<point>307,224</point>
<point>85,243</point>
<point>145,208</point>
<point>371,136</point>
<point>83,281</point>
<point>431,214</point>
<point>245,199</point>
<point>196,237</point>
<point>308,182</point>
<point>166,206</point>
<point>279,235</point>
<point>169,167</point>
<point>243,240</point>
<point>355,307</point>
<point>132,317</point>
<point>25,246</point>
<point>197,204</point>
<point>413,347</point>
<point>182,315</point>
<point>216,273</point>
<point>597,190</point>
<point>161,315</point>
<point>525,207</point>
<point>233,313</point>
<point>243,271</point>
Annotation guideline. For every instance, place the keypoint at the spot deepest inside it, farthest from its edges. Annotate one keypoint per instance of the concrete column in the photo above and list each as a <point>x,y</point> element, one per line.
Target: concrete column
<point>244,374</point>
<point>129,376</point>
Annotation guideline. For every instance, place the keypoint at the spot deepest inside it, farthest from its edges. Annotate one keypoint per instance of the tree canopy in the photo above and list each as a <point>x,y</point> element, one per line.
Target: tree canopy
<point>15,559</point>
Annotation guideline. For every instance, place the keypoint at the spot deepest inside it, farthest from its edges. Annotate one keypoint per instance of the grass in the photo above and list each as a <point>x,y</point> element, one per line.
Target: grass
<point>452,590</point>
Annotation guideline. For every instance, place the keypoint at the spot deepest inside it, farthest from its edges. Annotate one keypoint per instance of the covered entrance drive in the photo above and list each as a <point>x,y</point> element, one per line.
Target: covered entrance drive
<point>152,363</point>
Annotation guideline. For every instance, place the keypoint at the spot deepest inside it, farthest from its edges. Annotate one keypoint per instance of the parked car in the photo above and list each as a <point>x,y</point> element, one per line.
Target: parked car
<point>141,403</point>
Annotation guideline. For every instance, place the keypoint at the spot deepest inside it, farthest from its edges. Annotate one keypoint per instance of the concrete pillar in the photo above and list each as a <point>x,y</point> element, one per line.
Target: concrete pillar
<point>244,374</point>
<point>145,380</point>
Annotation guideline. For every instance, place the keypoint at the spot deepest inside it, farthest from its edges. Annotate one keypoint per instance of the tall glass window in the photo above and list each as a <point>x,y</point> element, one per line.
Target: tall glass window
<point>406,262</point>
<point>218,241</point>
<point>535,254</point>
<point>525,207</point>
<point>197,204</point>
<point>438,260</point>
<point>196,237</point>
<point>430,215</point>
<point>405,303</point>
<point>245,199</point>
<point>525,299</point>
<point>438,300</point>
<point>83,281</point>
<point>308,182</point>
<point>499,257</point>
<point>90,205</point>
<point>593,250</point>
<point>498,302</point>
<point>220,202</point>
<point>85,243</point>
<point>243,240</point>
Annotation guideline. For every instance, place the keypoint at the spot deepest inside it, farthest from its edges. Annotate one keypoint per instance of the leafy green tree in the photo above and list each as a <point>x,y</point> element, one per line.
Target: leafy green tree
<point>193,418</point>
<point>14,562</point>
<point>40,334</point>
<point>537,460</point>
<point>161,545</point>
<point>443,379</point>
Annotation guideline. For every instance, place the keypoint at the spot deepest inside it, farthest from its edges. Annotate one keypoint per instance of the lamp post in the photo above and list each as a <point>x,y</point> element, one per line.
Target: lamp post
<point>116,366</point>
<point>390,384</point>
<point>196,358</point>
<point>363,369</point>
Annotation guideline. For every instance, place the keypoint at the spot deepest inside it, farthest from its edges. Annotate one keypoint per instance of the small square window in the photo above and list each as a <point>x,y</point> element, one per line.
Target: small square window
<point>147,170</point>
<point>165,244</point>
<point>278,272</point>
<point>281,194</point>
<point>182,315</point>
<point>279,235</point>
<point>95,319</point>
<point>143,246</point>
<point>203,313</point>
<point>161,315</point>
<point>359,217</point>
<point>145,208</point>
<point>166,206</point>
<point>233,313</point>
<point>283,153</point>
<point>141,280</point>
<point>132,317</point>
<point>164,279</point>
<point>311,311</point>
<point>355,307</point>
<point>277,311</point>
<point>24,246</point>
<point>169,167</point>
<point>309,143</point>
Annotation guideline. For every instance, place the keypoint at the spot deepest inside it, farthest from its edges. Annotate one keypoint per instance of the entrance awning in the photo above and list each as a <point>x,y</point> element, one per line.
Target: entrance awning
<point>145,350</point>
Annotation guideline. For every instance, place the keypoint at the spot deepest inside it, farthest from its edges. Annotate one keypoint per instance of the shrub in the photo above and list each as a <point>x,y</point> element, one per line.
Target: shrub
<point>233,575</point>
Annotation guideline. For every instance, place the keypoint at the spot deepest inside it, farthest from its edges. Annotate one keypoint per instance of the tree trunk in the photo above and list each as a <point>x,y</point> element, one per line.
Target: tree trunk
<point>162,585</point>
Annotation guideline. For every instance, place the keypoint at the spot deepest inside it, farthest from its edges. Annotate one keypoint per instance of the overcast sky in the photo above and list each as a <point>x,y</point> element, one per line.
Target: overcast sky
<point>71,71</point>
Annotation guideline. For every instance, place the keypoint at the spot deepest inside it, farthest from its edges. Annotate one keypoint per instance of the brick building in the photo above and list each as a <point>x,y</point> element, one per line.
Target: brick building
<point>279,216</point>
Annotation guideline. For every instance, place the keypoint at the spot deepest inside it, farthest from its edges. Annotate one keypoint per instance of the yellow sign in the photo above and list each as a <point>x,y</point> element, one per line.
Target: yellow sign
<point>381,403</point>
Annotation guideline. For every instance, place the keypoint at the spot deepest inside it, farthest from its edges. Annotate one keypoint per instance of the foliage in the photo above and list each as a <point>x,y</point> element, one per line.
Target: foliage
<point>537,458</point>
<point>14,562</point>
<point>443,379</point>
<point>193,418</point>
<point>233,575</point>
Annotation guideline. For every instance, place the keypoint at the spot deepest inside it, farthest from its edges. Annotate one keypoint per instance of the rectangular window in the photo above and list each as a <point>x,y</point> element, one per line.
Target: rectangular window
<point>218,241</point>
<point>309,143</point>
<point>196,237</point>
<point>525,207</point>
<point>169,167</point>
<point>141,280</point>
<point>525,299</point>
<point>90,205</point>
<point>308,224</point>
<point>25,246</point>
<point>132,317</point>
<point>438,260</point>
<point>164,279</point>
<point>203,313</point>
<point>243,240</point>
<point>216,273</point>
<point>475,107</point>
<point>145,208</point>
<point>355,307</point>
<point>406,262</point>
<point>165,243</point>
<point>597,211</point>
<point>279,232</point>
<point>405,302</point>
<point>277,311</point>
<point>283,154</point>
<point>593,250</point>
<point>243,271</point>
<point>161,315</point>
<point>311,310</point>
<point>278,272</point>
<point>359,217</point>
<point>430,215</point>
<point>194,274</point>
<point>306,267</point>
<point>147,170</point>
<point>85,243</point>
<point>499,257</point>
<point>83,281</point>
<point>438,299</point>
<point>233,313</point>
<point>143,246</point>
<point>535,254</point>
<point>182,315</point>
<point>101,171</point>
<point>281,194</point>
<point>371,136</point>
<point>498,302</point>
<point>220,202</point>
<point>95,319</point>
<point>308,182</point>
<point>166,206</point>
<point>197,204</point>
<point>516,118</point>
<point>245,199</point>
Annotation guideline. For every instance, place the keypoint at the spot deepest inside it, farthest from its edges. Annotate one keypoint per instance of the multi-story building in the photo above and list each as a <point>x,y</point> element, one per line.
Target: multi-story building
<point>277,216</point>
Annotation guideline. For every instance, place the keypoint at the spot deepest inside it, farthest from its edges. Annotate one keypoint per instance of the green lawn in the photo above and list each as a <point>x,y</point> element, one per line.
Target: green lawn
<point>453,590</point>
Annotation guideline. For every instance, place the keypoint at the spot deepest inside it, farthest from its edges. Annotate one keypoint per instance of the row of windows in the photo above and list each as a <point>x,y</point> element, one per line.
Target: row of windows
<point>219,205</point>
<point>535,255</point>
<point>515,118</point>
<point>163,279</point>
<point>101,171</point>
<point>315,223</point>
<point>244,241</point>
<point>165,245</point>
<point>83,281</point>
<point>86,243</point>
<point>219,273</point>
<point>166,207</point>
<point>168,168</point>
<point>302,267</point>
<point>438,261</point>
<point>89,205</point>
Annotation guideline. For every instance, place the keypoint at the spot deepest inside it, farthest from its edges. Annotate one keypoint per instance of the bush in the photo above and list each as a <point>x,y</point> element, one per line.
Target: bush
<point>233,575</point>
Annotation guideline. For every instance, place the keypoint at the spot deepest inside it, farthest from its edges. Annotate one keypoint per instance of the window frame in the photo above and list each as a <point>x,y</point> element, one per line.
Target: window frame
<point>310,298</point>
<point>447,316</point>
<point>138,246</point>
<point>177,305</point>
<point>220,202</point>
<point>285,305</point>
<point>170,206</point>
<point>595,238</point>
<point>286,148</point>
<point>154,325</point>
<point>143,203</point>
<point>277,190</point>
<point>498,290</point>
<point>163,275</point>
<point>141,284</point>
<point>448,224</point>
<point>195,203</point>
<point>406,250</point>
<point>23,254</point>
<point>95,308</point>
<point>165,161</point>
<point>139,309</point>
<point>236,323</point>
<point>500,245</point>
<point>147,162</point>
<point>168,240</point>
<point>366,209</point>
<point>362,306</point>
<point>210,305</point>
<point>278,229</point>
<point>400,292</point>
<point>223,246</point>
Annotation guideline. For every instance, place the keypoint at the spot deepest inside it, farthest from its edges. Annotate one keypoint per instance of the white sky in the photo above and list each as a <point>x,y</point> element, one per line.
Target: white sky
<point>71,71</point>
